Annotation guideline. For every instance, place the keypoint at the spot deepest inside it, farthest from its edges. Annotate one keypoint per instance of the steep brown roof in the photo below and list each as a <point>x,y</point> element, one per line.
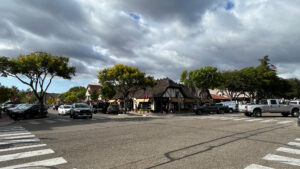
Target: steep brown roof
<point>159,89</point>
<point>216,97</point>
<point>94,87</point>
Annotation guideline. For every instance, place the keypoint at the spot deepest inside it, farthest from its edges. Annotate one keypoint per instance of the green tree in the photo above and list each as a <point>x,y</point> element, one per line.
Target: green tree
<point>294,88</point>
<point>107,91</point>
<point>123,78</point>
<point>51,100</point>
<point>36,70</point>
<point>71,99</point>
<point>204,78</point>
<point>94,95</point>
<point>5,93</point>
<point>231,84</point>
<point>79,92</point>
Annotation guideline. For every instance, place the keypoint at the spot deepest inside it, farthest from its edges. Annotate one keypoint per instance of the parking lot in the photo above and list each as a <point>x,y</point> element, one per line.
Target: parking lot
<point>156,141</point>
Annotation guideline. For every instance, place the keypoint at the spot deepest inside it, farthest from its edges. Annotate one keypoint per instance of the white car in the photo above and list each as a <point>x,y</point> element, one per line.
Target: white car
<point>64,109</point>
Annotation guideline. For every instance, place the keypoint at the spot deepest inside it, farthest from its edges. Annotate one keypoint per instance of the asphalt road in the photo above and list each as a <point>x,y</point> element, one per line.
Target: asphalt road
<point>230,141</point>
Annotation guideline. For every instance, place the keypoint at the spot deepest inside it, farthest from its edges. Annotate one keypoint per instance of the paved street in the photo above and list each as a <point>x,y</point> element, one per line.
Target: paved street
<point>110,141</point>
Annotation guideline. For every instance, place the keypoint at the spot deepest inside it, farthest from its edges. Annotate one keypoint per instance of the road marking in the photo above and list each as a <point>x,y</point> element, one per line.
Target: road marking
<point>226,118</point>
<point>255,166</point>
<point>267,121</point>
<point>18,137</point>
<point>14,134</point>
<point>47,163</point>
<point>25,155</point>
<point>23,147</point>
<point>297,139</point>
<point>241,119</point>
<point>289,150</point>
<point>49,121</point>
<point>9,130</point>
<point>33,122</point>
<point>254,120</point>
<point>64,120</point>
<point>284,122</point>
<point>282,159</point>
<point>294,144</point>
<point>19,141</point>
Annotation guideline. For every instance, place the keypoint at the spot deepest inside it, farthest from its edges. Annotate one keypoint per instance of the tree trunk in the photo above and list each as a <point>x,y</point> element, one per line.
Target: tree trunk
<point>124,100</point>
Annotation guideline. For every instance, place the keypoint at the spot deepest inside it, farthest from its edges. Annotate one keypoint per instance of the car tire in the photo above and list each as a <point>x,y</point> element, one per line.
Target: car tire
<point>295,113</point>
<point>257,113</point>
<point>230,111</point>
<point>285,114</point>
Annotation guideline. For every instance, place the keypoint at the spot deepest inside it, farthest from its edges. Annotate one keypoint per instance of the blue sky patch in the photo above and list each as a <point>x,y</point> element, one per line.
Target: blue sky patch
<point>135,16</point>
<point>229,5</point>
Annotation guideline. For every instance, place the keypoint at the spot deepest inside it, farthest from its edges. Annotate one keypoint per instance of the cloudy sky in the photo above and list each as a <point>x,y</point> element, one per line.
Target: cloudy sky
<point>160,37</point>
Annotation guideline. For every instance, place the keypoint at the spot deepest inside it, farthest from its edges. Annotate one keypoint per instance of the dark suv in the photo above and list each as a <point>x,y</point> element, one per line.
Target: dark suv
<point>80,110</point>
<point>28,111</point>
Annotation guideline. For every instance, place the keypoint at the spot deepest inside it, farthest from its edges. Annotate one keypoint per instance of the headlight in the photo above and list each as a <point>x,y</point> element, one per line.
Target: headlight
<point>77,110</point>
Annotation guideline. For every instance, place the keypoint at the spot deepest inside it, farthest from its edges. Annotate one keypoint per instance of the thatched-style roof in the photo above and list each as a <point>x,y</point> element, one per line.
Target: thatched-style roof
<point>159,89</point>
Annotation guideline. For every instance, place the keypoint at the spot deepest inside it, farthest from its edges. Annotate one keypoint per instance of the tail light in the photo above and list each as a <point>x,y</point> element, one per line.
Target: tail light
<point>246,107</point>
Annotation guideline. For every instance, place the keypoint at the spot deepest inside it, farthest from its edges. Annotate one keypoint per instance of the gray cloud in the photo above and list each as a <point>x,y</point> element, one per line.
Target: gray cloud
<point>165,38</point>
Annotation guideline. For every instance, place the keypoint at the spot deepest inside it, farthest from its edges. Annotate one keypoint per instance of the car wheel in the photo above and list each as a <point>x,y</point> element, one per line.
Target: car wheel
<point>257,113</point>
<point>230,110</point>
<point>295,112</point>
<point>27,116</point>
<point>285,114</point>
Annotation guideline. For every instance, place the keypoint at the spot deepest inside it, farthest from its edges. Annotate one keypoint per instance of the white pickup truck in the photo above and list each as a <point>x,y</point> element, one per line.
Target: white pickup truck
<point>270,106</point>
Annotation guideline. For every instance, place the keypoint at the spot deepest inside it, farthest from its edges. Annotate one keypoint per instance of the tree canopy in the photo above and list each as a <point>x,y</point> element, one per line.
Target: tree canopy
<point>5,93</point>
<point>77,91</point>
<point>36,70</point>
<point>204,78</point>
<point>122,78</point>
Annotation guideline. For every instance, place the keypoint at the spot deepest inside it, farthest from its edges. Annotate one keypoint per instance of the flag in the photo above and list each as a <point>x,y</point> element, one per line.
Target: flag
<point>273,67</point>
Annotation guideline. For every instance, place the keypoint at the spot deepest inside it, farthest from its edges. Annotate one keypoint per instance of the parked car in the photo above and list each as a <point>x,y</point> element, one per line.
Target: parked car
<point>211,107</point>
<point>113,109</point>
<point>299,120</point>
<point>272,106</point>
<point>28,111</point>
<point>233,107</point>
<point>17,106</point>
<point>81,110</point>
<point>64,109</point>
<point>8,106</point>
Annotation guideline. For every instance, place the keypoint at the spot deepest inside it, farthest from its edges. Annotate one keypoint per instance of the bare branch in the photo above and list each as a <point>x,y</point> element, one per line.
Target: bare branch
<point>49,83</point>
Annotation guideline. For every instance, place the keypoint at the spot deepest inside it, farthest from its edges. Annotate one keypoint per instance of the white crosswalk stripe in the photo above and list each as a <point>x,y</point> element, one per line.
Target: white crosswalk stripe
<point>22,147</point>
<point>294,144</point>
<point>282,159</point>
<point>255,166</point>
<point>254,120</point>
<point>18,137</point>
<point>47,163</point>
<point>284,122</point>
<point>297,139</point>
<point>23,140</point>
<point>268,121</point>
<point>289,150</point>
<point>25,154</point>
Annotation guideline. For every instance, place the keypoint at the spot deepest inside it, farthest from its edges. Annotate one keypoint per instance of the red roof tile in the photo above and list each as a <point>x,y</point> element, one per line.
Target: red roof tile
<point>216,97</point>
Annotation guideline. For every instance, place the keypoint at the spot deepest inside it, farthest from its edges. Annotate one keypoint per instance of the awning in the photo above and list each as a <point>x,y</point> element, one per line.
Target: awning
<point>115,101</point>
<point>187,100</point>
<point>142,100</point>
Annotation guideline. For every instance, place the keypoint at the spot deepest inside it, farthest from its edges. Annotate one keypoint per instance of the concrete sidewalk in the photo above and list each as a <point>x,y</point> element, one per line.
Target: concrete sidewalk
<point>5,119</point>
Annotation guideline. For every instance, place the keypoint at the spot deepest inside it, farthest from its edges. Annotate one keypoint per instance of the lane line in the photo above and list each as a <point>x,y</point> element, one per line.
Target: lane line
<point>289,150</point>
<point>254,120</point>
<point>25,155</point>
<point>23,147</point>
<point>284,122</point>
<point>268,121</point>
<point>19,141</point>
<point>14,134</point>
<point>49,121</point>
<point>12,130</point>
<point>282,159</point>
<point>240,119</point>
<point>46,163</point>
<point>294,144</point>
<point>64,120</point>
<point>255,166</point>
<point>34,122</point>
<point>18,137</point>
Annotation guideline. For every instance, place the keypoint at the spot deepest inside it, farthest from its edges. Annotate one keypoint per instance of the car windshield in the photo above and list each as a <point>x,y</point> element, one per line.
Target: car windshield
<point>25,106</point>
<point>81,106</point>
<point>67,107</point>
